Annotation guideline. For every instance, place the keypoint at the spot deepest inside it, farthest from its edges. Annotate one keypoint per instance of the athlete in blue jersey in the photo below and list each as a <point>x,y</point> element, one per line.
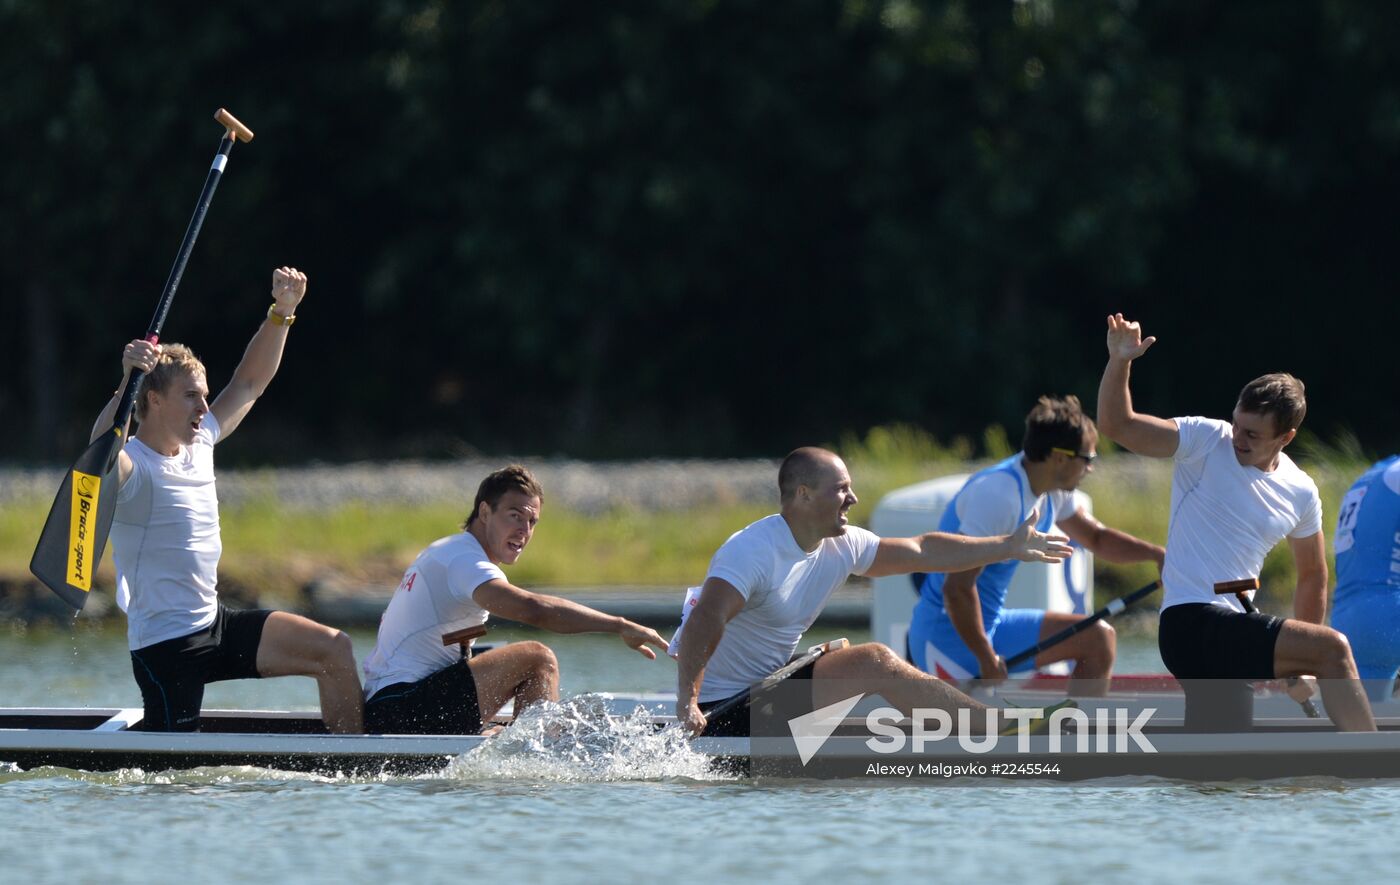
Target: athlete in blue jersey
<point>1367,605</point>
<point>961,628</point>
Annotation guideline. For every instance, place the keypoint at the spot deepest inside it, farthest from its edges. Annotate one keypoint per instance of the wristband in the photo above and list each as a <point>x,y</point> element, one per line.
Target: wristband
<point>276,318</point>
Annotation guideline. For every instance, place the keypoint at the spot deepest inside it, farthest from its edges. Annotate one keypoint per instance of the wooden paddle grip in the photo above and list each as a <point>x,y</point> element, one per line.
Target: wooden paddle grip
<point>1237,586</point>
<point>464,635</point>
<point>235,128</point>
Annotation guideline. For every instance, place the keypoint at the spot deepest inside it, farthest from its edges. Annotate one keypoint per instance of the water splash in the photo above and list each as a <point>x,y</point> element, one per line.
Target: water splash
<point>577,740</point>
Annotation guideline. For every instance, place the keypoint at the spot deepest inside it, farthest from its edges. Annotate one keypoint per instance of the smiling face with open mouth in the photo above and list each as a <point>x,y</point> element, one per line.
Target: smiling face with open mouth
<point>832,497</point>
<point>506,529</point>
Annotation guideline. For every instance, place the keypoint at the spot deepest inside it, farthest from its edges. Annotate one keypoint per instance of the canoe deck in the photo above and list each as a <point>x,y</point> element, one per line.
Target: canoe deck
<point>1281,744</point>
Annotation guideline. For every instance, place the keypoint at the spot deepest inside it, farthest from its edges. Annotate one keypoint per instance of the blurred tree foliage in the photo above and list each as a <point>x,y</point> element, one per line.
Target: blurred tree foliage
<point>698,227</point>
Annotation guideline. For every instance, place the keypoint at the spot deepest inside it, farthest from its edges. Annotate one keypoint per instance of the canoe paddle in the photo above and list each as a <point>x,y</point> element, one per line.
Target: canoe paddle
<point>1107,611</point>
<point>75,533</point>
<point>1240,589</point>
<point>729,705</point>
<point>464,637</point>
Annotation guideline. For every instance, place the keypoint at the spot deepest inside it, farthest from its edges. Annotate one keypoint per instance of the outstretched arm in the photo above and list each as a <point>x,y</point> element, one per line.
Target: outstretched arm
<point>1143,434</point>
<point>945,552</point>
<point>719,603</point>
<point>559,615</point>
<point>1110,544</point>
<point>264,353</point>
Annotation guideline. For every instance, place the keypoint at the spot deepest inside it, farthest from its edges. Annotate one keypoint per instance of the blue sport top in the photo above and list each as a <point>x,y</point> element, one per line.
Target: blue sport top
<point>1368,530</point>
<point>995,579</point>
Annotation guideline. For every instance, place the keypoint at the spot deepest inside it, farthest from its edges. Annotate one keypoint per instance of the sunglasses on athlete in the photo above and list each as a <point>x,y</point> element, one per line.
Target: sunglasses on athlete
<point>1087,459</point>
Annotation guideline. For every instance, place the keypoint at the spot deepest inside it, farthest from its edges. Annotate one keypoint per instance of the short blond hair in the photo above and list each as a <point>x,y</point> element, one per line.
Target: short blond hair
<point>175,360</point>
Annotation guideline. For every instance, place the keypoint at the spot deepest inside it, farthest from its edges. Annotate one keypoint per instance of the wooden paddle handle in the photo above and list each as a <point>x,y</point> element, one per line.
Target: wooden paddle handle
<point>235,128</point>
<point>464,635</point>
<point>1241,590</point>
<point>1237,586</point>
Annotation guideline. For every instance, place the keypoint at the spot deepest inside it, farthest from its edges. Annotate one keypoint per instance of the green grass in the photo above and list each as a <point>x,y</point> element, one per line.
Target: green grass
<point>629,546</point>
<point>569,548</point>
<point>1129,493</point>
<point>278,549</point>
<point>20,524</point>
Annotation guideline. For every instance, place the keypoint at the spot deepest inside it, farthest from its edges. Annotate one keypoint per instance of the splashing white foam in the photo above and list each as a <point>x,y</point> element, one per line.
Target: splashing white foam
<point>577,740</point>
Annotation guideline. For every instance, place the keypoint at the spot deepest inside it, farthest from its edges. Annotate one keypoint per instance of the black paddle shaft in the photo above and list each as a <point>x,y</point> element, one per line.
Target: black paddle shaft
<point>1109,610</point>
<point>177,271</point>
<point>75,532</point>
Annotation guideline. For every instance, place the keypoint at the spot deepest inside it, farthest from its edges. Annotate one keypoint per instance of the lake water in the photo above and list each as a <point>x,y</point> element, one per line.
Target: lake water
<point>642,817</point>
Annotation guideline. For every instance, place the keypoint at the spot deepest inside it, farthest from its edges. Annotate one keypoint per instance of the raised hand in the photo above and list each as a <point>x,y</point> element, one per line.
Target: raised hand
<point>140,354</point>
<point>288,288</point>
<point>1125,341</point>
<point>1029,545</point>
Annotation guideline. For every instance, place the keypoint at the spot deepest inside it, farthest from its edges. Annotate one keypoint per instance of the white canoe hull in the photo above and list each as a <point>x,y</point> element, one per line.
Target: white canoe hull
<point>102,740</point>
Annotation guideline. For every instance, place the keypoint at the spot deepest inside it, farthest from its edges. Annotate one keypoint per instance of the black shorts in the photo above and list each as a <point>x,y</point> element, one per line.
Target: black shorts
<point>1207,641</point>
<point>739,721</point>
<point>172,674</point>
<point>443,703</point>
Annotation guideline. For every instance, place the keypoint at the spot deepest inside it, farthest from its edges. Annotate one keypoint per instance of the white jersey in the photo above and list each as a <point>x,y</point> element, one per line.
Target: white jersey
<point>434,597</point>
<point>165,540</point>
<point>1226,517</point>
<point>784,589</point>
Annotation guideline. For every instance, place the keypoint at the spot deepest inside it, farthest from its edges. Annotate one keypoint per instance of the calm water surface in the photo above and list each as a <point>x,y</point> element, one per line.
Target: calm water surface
<point>643,815</point>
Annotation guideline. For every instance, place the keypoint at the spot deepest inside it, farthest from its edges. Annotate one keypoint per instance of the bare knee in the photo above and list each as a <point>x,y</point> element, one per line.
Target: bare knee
<point>542,664</point>
<point>335,651</point>
<point>880,658</point>
<point>1335,656</point>
<point>1105,639</point>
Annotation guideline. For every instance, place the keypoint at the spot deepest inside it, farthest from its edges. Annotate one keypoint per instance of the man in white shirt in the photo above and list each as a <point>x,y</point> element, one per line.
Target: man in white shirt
<point>416,685</point>
<point>768,582</point>
<point>1235,494</point>
<point>166,543</point>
